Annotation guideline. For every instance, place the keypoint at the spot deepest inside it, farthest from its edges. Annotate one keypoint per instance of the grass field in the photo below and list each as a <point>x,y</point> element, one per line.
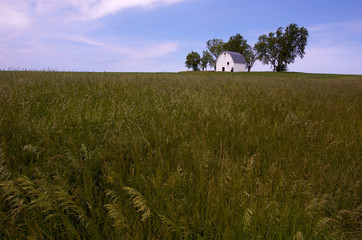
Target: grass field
<point>180,156</point>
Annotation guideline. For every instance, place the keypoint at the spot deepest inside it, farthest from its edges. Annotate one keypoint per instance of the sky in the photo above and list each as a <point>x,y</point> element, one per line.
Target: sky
<point>156,35</point>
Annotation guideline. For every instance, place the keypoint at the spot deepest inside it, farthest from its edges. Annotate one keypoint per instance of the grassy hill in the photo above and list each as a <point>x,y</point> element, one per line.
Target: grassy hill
<point>180,156</point>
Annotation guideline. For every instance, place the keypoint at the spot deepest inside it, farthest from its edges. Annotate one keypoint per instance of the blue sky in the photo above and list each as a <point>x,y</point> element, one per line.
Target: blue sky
<point>156,35</point>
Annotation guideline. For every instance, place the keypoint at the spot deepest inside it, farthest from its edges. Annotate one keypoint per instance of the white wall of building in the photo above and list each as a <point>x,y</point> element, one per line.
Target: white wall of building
<point>239,67</point>
<point>225,61</point>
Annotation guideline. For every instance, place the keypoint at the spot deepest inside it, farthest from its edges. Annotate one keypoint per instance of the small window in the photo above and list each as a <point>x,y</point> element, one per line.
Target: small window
<point>228,63</point>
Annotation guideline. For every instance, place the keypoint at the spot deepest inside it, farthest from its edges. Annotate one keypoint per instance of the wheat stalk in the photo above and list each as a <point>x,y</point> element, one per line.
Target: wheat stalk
<point>67,203</point>
<point>298,236</point>
<point>4,172</point>
<point>114,210</point>
<point>248,215</point>
<point>139,202</point>
<point>168,223</point>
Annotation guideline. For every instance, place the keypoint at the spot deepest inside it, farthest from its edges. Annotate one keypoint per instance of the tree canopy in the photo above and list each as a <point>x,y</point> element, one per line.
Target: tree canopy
<point>215,46</point>
<point>251,56</point>
<point>206,59</point>
<point>236,43</point>
<point>193,60</point>
<point>282,47</point>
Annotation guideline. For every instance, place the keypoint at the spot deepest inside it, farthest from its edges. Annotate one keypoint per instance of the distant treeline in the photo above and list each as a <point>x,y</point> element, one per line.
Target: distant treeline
<point>277,49</point>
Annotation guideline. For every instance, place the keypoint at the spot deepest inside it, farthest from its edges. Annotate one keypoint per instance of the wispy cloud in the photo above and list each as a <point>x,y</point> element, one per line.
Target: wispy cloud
<point>146,51</point>
<point>336,59</point>
<point>103,8</point>
<point>20,14</point>
<point>14,18</point>
<point>94,9</point>
<point>333,48</point>
<point>350,27</point>
<point>81,39</point>
<point>76,52</point>
<point>67,34</point>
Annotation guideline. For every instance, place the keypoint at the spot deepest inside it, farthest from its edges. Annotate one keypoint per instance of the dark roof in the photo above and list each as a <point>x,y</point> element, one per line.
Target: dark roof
<point>237,57</point>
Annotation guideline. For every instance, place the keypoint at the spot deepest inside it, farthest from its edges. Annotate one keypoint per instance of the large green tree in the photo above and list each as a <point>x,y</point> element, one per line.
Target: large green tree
<point>215,46</point>
<point>282,47</point>
<point>206,60</point>
<point>193,60</point>
<point>236,43</point>
<point>251,56</point>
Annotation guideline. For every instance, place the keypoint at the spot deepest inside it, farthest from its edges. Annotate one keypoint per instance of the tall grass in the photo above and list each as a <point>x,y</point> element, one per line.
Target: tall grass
<point>180,156</point>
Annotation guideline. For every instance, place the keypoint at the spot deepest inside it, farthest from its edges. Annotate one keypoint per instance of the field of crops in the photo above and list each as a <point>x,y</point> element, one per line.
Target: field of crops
<point>180,156</point>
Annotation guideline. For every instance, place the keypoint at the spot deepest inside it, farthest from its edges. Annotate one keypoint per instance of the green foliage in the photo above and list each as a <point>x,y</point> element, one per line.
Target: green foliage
<point>193,61</point>
<point>206,60</point>
<point>215,46</point>
<point>139,202</point>
<point>282,47</point>
<point>236,43</point>
<point>180,156</point>
<point>251,56</point>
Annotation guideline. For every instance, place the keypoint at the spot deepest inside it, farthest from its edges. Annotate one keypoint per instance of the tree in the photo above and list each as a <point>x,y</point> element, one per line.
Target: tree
<point>251,56</point>
<point>236,43</point>
<point>206,60</point>
<point>215,46</point>
<point>193,61</point>
<point>282,47</point>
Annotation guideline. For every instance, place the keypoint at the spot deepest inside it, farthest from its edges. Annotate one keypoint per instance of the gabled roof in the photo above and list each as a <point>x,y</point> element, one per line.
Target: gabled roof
<point>237,57</point>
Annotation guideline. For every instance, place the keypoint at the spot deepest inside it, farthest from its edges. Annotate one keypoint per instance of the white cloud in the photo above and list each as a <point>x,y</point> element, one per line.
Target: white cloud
<point>42,28</point>
<point>93,9</point>
<point>103,8</point>
<point>18,14</point>
<point>14,18</point>
<point>341,59</point>
<point>80,53</point>
<point>81,39</point>
<point>333,48</point>
<point>146,51</point>
<point>349,27</point>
